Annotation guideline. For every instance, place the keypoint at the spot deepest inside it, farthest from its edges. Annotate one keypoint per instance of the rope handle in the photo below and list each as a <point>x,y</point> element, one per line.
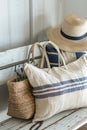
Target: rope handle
<point>32,50</point>
<point>46,57</point>
<point>38,124</point>
<point>44,54</point>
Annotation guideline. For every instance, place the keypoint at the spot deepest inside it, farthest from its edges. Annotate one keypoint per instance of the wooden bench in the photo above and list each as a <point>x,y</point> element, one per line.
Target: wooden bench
<point>68,120</point>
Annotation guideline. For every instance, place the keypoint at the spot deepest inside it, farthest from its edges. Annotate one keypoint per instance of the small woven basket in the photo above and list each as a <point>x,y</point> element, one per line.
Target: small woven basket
<point>21,101</point>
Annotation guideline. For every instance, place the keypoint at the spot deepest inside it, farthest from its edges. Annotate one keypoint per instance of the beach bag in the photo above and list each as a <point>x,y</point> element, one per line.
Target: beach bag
<point>21,101</point>
<point>59,88</point>
<point>54,57</point>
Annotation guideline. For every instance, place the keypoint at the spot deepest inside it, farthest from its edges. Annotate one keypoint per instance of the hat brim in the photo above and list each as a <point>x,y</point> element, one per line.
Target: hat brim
<point>54,35</point>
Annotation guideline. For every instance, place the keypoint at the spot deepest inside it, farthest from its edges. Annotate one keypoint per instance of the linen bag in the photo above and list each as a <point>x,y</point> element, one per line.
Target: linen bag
<point>59,88</point>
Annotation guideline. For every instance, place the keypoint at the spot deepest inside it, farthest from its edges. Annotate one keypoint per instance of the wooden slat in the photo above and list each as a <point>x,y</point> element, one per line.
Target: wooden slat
<point>17,63</point>
<point>2,128</point>
<point>50,121</point>
<point>15,124</point>
<point>20,125</point>
<point>12,123</point>
<point>12,57</point>
<point>3,113</point>
<point>16,55</point>
<point>71,122</point>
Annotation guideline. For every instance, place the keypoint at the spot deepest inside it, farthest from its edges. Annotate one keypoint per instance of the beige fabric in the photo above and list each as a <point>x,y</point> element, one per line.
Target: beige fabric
<point>59,88</point>
<point>72,26</point>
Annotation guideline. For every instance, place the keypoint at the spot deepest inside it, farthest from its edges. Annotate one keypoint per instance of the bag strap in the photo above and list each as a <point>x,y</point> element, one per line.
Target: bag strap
<point>46,57</point>
<point>32,51</point>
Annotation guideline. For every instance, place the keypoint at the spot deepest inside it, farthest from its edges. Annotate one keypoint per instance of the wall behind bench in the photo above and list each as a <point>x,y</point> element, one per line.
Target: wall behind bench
<point>21,21</point>
<point>14,23</point>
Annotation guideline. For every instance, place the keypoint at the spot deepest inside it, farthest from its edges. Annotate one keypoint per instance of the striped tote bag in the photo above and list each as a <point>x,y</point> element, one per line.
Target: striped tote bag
<point>55,88</point>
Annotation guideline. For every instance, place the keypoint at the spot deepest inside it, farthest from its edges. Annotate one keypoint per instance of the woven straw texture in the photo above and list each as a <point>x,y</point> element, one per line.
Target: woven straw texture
<point>72,26</point>
<point>21,100</point>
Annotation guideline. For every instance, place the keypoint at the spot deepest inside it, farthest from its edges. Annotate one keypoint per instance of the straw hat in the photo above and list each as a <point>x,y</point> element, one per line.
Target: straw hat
<point>71,36</point>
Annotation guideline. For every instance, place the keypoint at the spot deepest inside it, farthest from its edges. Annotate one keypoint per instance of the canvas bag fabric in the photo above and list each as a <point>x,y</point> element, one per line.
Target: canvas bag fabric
<point>55,88</point>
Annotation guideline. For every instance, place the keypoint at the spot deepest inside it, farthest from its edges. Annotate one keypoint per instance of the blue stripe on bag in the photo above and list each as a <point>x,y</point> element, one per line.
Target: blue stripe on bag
<point>61,92</point>
<point>58,88</point>
<point>52,55</point>
<point>61,83</point>
<point>53,58</point>
<point>50,48</point>
<point>79,54</point>
<point>79,84</point>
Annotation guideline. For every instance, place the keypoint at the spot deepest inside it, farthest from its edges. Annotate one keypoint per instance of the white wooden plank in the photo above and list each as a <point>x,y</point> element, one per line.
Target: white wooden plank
<point>3,102</point>
<point>49,121</point>
<point>11,123</point>
<point>71,122</point>
<point>3,114</point>
<point>17,54</point>
<point>9,57</point>
<point>45,14</point>
<point>12,56</point>
<point>5,75</point>
<point>4,28</point>
<point>20,125</point>
<point>19,22</point>
<point>2,128</point>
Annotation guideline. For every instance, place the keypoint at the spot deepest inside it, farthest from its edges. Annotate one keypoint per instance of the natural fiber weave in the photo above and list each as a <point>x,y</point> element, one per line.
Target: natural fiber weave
<point>72,26</point>
<point>21,100</point>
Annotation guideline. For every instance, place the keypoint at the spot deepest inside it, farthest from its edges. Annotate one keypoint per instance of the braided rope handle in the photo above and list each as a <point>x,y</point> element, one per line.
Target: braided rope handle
<point>44,54</point>
<point>46,57</point>
<point>32,51</point>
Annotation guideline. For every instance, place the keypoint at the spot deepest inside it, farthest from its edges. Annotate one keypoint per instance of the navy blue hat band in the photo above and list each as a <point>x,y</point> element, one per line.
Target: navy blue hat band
<point>73,38</point>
